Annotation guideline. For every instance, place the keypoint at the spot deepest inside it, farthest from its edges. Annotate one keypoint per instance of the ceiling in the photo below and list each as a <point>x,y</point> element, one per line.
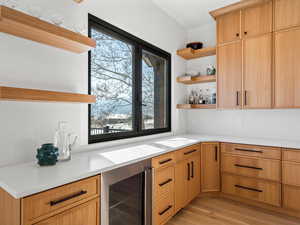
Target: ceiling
<point>191,13</point>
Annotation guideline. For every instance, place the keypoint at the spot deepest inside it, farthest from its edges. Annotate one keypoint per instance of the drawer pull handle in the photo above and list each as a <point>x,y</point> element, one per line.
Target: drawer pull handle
<point>189,152</point>
<point>248,167</point>
<point>248,150</point>
<point>52,203</point>
<point>216,153</point>
<point>247,188</point>
<point>165,210</point>
<point>165,161</point>
<point>166,182</point>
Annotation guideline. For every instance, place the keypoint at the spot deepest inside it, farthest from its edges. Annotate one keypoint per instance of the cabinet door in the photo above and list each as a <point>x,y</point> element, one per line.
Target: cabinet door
<point>257,72</point>
<point>181,183</point>
<point>287,69</point>
<point>229,76</point>
<point>194,180</point>
<point>257,20</point>
<point>210,167</point>
<point>228,27</point>
<point>291,197</point>
<point>286,13</point>
<point>85,214</point>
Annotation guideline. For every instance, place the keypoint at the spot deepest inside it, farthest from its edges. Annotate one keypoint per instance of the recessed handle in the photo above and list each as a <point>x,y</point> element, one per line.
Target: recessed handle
<point>190,152</point>
<point>248,150</point>
<point>165,210</point>
<point>216,153</point>
<point>164,161</point>
<point>52,203</point>
<point>245,98</point>
<point>248,188</point>
<point>165,182</point>
<point>248,167</point>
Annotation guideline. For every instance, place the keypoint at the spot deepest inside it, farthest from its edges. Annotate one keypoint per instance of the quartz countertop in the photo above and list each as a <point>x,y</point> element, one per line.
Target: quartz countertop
<point>28,178</point>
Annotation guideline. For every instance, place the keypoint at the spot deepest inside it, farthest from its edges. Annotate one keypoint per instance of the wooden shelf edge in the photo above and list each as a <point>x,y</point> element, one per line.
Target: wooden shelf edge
<point>189,53</point>
<point>196,80</point>
<point>235,6</point>
<point>25,26</point>
<point>24,94</point>
<point>196,106</point>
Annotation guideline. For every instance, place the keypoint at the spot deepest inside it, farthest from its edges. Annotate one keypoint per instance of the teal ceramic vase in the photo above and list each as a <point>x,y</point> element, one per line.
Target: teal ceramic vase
<point>47,155</point>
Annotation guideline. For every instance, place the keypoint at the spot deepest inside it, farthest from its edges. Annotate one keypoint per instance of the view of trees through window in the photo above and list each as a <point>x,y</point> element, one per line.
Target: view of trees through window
<point>130,83</point>
<point>112,83</point>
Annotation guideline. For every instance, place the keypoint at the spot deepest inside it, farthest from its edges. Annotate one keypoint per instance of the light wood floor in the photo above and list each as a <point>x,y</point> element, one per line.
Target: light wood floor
<point>219,211</point>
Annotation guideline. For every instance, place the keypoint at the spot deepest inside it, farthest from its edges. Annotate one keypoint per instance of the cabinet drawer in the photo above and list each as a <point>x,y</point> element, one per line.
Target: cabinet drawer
<point>54,200</point>
<point>291,198</point>
<point>187,152</point>
<point>163,160</point>
<point>291,155</point>
<point>250,188</point>
<point>252,150</point>
<point>291,173</point>
<point>164,181</point>
<point>252,167</point>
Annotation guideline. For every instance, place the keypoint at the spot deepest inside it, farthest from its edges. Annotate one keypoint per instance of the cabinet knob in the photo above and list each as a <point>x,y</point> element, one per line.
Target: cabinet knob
<point>237,34</point>
<point>245,32</point>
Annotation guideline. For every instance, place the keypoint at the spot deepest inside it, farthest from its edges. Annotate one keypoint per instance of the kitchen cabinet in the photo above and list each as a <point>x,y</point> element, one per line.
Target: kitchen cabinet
<point>228,26</point>
<point>257,20</point>
<point>229,84</point>
<point>210,167</point>
<point>253,189</point>
<point>287,69</point>
<point>163,207</point>
<point>257,67</point>
<point>85,214</point>
<point>291,197</point>
<point>286,13</point>
<point>187,176</point>
<point>245,65</point>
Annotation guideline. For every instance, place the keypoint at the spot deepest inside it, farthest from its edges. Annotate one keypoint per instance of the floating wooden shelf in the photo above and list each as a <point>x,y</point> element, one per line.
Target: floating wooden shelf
<point>189,53</point>
<point>196,106</point>
<point>22,94</point>
<point>196,80</point>
<point>25,26</point>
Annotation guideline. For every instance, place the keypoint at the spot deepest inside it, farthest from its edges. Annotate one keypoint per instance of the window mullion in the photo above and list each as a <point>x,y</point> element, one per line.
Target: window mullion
<point>137,89</point>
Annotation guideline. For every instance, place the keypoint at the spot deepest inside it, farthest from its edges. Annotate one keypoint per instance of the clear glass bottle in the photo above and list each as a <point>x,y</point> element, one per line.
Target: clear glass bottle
<point>61,141</point>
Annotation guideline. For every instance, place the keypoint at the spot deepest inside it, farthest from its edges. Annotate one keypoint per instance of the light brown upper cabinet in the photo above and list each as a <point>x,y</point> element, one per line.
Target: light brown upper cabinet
<point>257,20</point>
<point>229,75</point>
<point>287,69</point>
<point>245,65</point>
<point>210,167</point>
<point>228,27</point>
<point>286,13</point>
<point>257,65</point>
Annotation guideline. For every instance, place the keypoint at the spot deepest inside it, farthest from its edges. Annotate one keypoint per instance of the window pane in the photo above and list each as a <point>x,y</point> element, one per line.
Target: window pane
<point>111,82</point>
<point>154,70</point>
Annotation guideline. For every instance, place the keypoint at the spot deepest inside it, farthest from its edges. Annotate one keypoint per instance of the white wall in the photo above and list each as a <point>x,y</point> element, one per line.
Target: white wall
<point>277,124</point>
<point>24,126</point>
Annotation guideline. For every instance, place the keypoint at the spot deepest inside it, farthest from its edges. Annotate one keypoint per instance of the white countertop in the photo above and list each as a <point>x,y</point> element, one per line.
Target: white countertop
<point>26,179</point>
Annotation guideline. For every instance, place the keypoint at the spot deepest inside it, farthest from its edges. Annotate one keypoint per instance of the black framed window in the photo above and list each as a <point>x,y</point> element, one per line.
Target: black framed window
<point>132,82</point>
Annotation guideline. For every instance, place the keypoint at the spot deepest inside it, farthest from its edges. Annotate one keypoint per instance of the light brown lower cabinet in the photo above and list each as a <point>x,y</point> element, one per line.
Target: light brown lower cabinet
<point>76,203</point>
<point>253,189</point>
<point>210,167</point>
<point>187,181</point>
<point>291,198</point>
<point>85,214</point>
<point>163,199</point>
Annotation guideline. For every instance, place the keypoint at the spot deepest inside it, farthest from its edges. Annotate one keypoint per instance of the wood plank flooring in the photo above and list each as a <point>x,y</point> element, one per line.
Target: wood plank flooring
<point>220,211</point>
